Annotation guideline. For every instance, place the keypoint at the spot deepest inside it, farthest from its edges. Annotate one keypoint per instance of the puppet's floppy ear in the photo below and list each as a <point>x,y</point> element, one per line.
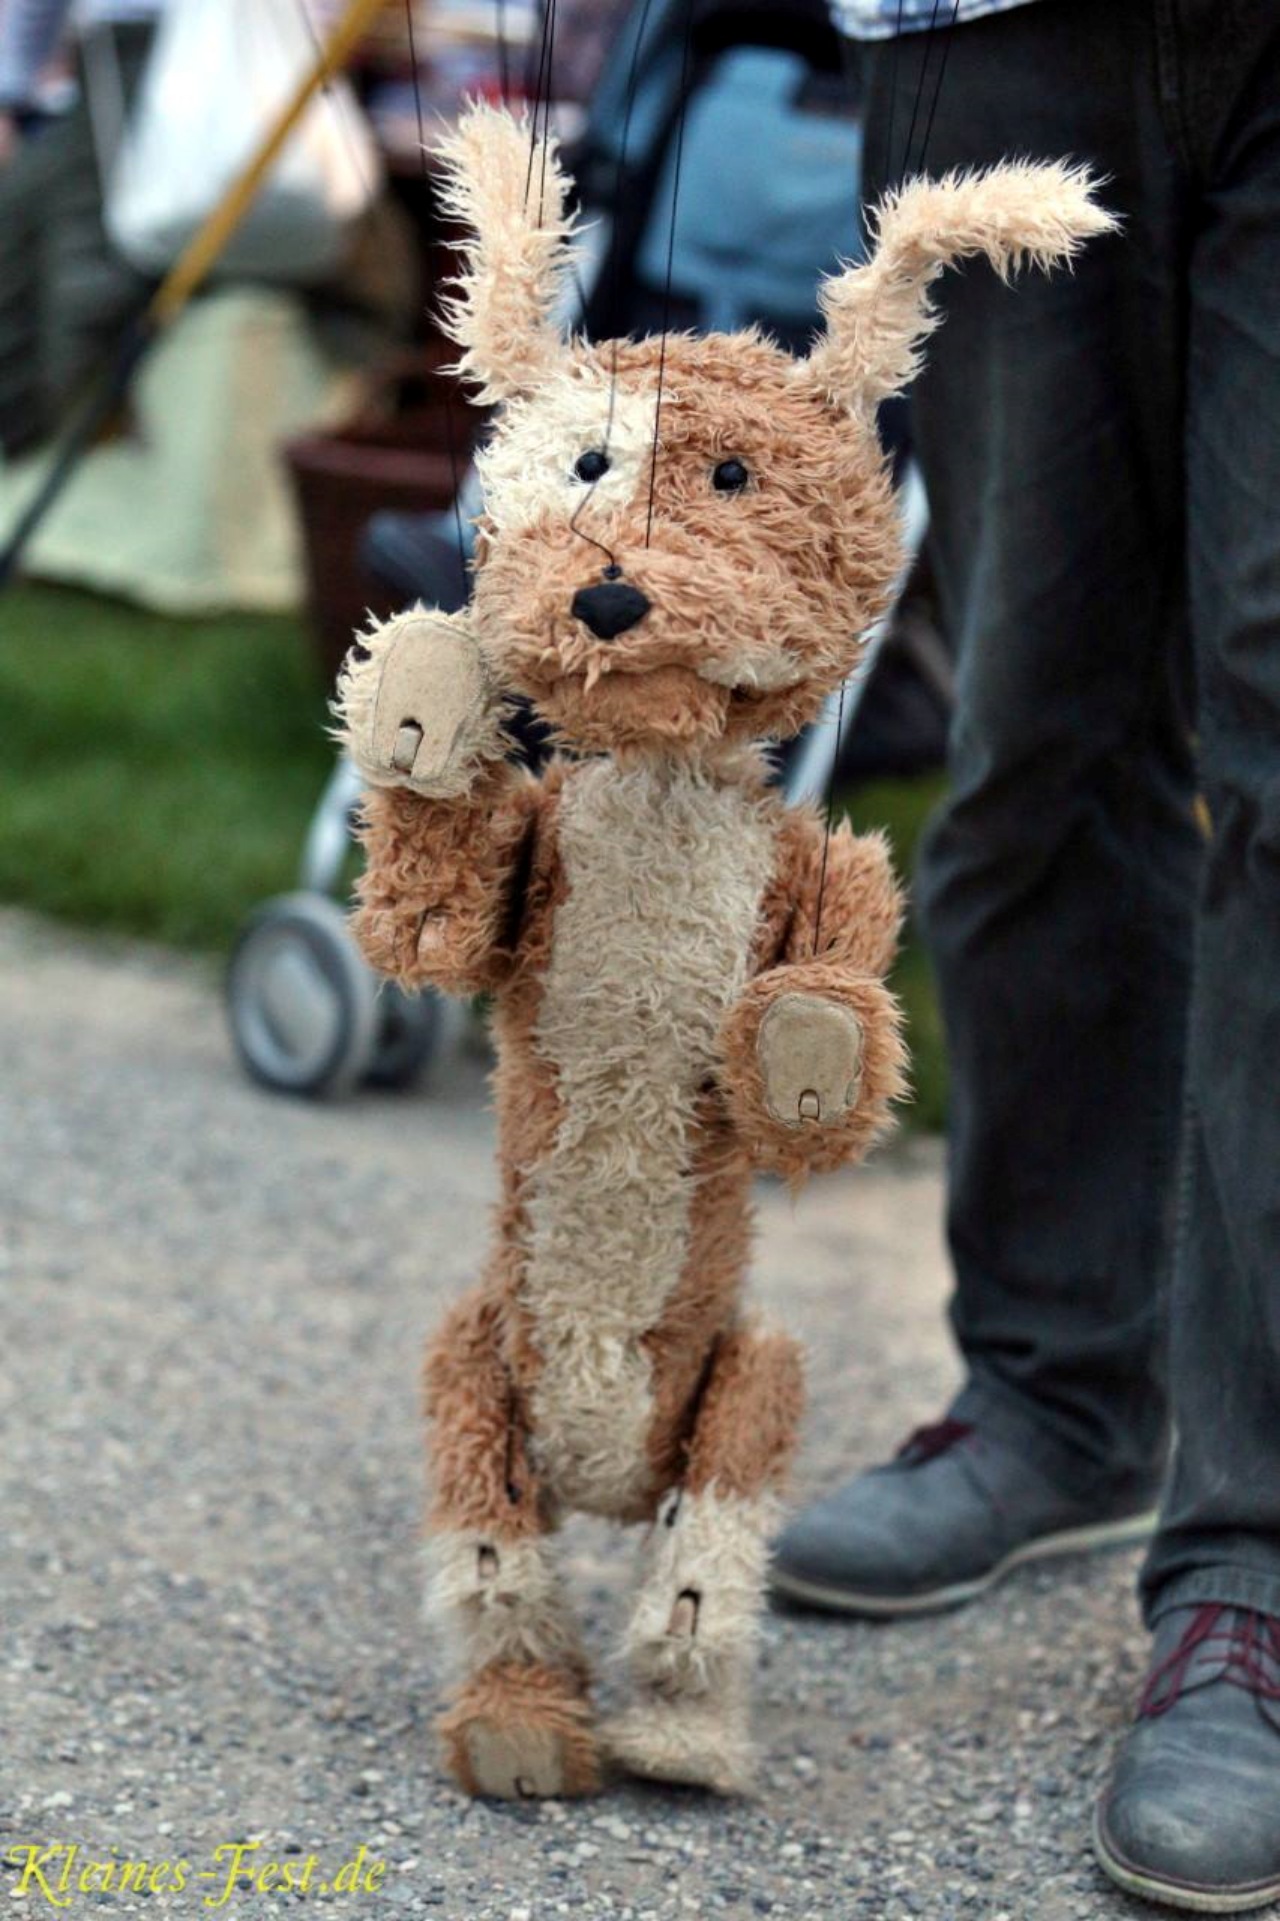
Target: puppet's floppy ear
<point>878,315</point>
<point>510,191</point>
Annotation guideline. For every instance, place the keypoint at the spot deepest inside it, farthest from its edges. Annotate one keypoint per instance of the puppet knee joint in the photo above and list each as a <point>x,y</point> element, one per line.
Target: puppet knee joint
<point>696,1618</point>
<point>499,1600</point>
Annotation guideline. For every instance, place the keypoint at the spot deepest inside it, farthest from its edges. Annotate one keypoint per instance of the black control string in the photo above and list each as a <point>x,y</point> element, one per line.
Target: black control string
<point>893,87</point>
<point>929,36</point>
<point>921,77</point>
<point>541,108</point>
<point>615,277</point>
<point>532,60</point>
<point>671,255</point>
<point>942,68</point>
<point>829,816</point>
<point>546,108</point>
<point>504,55</point>
<point>540,92</point>
<point>543,101</point>
<point>451,440</point>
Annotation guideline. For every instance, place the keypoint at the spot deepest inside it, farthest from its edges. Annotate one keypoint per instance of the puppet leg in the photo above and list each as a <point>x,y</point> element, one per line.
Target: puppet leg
<point>519,1723</point>
<point>691,1642</point>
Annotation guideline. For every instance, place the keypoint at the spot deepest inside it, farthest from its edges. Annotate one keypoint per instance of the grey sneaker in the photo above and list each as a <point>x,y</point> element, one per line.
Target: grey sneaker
<point>955,1512</point>
<point>1191,1814</point>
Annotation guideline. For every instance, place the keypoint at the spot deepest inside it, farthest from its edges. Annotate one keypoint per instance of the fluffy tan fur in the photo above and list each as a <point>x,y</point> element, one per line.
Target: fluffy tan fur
<point>510,197</point>
<point>665,942</point>
<point>436,895</point>
<point>758,599</point>
<point>691,1641</point>
<point>610,1202</point>
<point>879,315</point>
<point>701,1740</point>
<point>499,1600</point>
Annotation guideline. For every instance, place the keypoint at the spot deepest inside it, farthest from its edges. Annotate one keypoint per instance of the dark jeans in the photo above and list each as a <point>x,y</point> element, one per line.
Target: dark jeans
<point>1102,456</point>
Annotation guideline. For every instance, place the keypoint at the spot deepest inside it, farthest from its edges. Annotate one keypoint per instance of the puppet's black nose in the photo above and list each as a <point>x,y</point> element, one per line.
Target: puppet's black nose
<point>610,608</point>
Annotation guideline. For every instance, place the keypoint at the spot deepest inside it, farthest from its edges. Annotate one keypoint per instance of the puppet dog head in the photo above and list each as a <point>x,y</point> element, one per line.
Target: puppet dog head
<point>683,546</point>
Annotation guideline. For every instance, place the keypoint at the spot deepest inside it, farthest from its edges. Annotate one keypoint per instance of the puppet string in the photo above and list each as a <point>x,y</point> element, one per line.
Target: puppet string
<point>450,436</point>
<point>942,68</point>
<point>615,274</point>
<point>504,57</point>
<point>893,87</point>
<point>829,809</point>
<point>546,110</point>
<point>540,92</point>
<point>671,256</point>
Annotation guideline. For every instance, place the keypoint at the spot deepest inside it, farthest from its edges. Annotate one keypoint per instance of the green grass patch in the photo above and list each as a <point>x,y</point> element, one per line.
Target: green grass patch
<point>902,807</point>
<point>156,774</point>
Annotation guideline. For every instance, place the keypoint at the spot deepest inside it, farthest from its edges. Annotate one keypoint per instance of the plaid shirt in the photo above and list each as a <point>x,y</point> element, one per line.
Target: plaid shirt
<point>881,19</point>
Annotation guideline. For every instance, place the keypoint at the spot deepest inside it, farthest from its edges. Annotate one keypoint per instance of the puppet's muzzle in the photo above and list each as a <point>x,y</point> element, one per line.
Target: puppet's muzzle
<point>609,608</point>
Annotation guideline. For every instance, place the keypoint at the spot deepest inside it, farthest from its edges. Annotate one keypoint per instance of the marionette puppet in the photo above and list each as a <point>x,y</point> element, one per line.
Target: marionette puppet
<point>681,545</point>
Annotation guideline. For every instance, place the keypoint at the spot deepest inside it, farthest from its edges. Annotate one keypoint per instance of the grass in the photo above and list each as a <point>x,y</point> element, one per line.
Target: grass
<point>157,776</point>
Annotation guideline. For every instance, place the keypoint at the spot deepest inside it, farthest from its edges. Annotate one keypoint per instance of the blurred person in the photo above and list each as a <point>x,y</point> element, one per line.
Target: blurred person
<point>1102,458</point>
<point>65,293</point>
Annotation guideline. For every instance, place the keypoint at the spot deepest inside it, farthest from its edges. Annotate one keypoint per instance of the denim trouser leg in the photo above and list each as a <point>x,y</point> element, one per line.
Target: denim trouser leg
<point>1220,1535</point>
<point>1064,433</point>
<point>1056,886</point>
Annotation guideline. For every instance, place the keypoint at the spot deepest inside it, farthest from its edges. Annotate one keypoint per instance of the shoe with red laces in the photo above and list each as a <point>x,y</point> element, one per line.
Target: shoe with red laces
<point>957,1509</point>
<point>1191,1814</point>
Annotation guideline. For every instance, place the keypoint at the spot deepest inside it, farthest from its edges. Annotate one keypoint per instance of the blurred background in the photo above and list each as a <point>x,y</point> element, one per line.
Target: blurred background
<point>201,497</point>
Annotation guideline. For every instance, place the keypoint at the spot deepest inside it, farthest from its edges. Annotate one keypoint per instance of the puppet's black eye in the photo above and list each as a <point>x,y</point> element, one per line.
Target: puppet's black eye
<point>730,477</point>
<point>591,466</point>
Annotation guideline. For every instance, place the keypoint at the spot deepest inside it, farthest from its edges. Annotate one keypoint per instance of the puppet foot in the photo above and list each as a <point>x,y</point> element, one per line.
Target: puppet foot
<point>522,1732</point>
<point>702,1741</point>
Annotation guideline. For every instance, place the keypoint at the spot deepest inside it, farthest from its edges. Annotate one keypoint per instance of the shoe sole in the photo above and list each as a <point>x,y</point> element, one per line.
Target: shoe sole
<point>1130,1532</point>
<point>1178,1894</point>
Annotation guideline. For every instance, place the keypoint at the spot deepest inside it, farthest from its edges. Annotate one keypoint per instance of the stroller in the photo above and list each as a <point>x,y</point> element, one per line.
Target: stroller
<point>760,83</point>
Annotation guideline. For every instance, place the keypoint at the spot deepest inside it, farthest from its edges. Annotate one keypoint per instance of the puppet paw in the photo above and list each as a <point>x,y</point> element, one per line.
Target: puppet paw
<point>416,707</point>
<point>810,1056</point>
<point>522,1732</point>
<point>703,1742</point>
<point>811,1062</point>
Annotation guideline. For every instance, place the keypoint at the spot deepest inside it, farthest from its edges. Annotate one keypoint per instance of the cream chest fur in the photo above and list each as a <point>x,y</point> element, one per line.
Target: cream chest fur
<point>665,870</point>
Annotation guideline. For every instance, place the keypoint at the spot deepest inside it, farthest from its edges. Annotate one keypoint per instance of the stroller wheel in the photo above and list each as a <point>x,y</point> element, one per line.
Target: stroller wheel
<point>407,1031</point>
<point>302,1004</point>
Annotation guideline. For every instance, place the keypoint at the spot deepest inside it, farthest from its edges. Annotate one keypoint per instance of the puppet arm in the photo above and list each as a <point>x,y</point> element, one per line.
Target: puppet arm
<point>811,1053</point>
<point>446,821</point>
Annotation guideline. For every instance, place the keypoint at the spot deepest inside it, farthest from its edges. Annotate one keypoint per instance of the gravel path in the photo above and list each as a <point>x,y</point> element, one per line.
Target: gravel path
<point>211,1476</point>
